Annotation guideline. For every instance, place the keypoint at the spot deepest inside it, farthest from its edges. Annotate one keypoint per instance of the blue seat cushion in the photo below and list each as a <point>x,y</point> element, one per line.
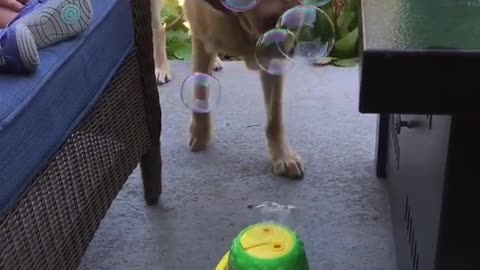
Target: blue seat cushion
<point>39,111</point>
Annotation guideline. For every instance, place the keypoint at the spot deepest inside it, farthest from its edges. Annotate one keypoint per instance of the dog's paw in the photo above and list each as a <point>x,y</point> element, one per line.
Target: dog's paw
<point>198,140</point>
<point>163,74</point>
<point>218,64</point>
<point>197,143</point>
<point>288,164</point>
<point>199,132</point>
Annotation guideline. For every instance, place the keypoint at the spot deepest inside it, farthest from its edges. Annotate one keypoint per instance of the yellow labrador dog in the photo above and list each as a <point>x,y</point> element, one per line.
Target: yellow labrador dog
<point>217,29</point>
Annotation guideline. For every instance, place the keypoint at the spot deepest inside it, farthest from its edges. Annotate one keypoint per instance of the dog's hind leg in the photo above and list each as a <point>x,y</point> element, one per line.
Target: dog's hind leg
<point>285,161</point>
<point>162,66</point>
<point>201,123</point>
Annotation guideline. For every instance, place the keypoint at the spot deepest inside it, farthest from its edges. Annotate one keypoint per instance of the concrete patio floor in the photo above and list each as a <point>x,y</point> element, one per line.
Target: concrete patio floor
<point>342,209</point>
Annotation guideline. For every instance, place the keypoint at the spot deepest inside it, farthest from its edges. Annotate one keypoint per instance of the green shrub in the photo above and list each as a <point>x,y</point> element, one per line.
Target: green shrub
<point>179,44</point>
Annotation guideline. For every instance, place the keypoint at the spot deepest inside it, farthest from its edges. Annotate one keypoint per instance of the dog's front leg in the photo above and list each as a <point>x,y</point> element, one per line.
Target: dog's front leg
<point>201,123</point>
<point>285,161</point>
<point>163,73</point>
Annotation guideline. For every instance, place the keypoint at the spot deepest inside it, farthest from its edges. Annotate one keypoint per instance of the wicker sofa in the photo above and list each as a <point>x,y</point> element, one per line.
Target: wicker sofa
<point>54,219</point>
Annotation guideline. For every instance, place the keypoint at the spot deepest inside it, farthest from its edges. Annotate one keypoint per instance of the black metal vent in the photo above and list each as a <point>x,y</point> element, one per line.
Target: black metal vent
<point>412,241</point>
<point>395,141</point>
<point>430,120</point>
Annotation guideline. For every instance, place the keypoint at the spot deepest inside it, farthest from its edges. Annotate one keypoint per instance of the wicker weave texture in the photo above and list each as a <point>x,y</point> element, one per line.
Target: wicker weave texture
<point>151,163</point>
<point>55,220</point>
<point>144,41</point>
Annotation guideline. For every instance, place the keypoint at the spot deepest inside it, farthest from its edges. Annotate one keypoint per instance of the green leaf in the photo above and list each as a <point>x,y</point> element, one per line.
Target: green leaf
<point>179,49</point>
<point>177,36</point>
<point>170,11</point>
<point>347,19</point>
<point>172,49</point>
<point>329,10</point>
<point>348,62</point>
<point>346,47</point>
<point>353,5</point>
<point>344,21</point>
<point>184,51</point>
<point>171,52</point>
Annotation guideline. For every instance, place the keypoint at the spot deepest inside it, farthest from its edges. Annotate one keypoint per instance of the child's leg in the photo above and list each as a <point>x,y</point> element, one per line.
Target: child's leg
<point>18,53</point>
<point>6,15</point>
<point>54,21</point>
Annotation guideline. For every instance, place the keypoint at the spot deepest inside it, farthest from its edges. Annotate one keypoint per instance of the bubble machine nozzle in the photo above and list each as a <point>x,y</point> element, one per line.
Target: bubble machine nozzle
<point>265,246</point>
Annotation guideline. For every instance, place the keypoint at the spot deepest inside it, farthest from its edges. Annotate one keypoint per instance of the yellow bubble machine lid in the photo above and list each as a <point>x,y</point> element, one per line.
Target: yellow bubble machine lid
<point>265,246</point>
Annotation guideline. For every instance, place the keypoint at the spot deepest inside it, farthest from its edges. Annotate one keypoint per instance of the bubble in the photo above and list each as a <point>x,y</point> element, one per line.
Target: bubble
<point>313,29</point>
<point>274,51</point>
<point>200,92</point>
<point>239,5</point>
<point>278,213</point>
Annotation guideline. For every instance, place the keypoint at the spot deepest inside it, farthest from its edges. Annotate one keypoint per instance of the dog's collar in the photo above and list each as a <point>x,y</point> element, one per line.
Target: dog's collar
<point>219,6</point>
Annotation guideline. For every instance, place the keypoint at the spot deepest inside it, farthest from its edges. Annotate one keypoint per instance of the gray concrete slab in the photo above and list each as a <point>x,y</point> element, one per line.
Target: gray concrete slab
<point>342,209</point>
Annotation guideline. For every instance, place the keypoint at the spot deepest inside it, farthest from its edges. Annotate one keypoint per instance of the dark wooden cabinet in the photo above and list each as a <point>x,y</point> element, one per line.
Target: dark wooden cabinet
<point>431,171</point>
<point>419,70</point>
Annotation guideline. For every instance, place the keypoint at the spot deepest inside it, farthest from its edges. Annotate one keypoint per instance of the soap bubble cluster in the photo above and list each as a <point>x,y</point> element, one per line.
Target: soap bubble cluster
<point>302,32</point>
